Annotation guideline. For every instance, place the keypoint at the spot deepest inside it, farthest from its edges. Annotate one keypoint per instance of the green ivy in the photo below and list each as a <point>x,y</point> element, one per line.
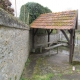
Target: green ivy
<point>33,10</point>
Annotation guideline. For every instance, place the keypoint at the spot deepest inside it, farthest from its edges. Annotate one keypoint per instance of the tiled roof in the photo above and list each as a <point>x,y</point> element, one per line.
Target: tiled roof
<point>59,20</point>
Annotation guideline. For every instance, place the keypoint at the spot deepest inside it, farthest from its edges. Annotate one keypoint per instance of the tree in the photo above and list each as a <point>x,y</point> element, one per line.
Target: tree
<point>33,10</point>
<point>6,5</point>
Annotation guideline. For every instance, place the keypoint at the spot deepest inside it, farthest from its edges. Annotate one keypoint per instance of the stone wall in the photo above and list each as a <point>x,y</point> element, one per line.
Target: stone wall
<point>41,39</point>
<point>14,46</point>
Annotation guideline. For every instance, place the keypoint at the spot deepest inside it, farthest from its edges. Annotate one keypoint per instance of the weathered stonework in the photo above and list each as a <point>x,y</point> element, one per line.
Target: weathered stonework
<point>41,39</point>
<point>14,46</point>
<point>10,21</point>
<point>44,38</point>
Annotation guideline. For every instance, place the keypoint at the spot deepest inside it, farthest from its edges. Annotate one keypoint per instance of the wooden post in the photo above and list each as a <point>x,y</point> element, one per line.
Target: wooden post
<point>49,32</point>
<point>32,38</point>
<point>72,36</point>
<point>70,55</point>
<point>73,41</point>
<point>48,38</point>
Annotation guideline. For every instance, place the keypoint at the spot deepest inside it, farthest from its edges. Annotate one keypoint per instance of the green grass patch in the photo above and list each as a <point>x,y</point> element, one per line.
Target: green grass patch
<point>76,63</point>
<point>38,77</point>
<point>44,77</point>
<point>22,79</point>
<point>27,62</point>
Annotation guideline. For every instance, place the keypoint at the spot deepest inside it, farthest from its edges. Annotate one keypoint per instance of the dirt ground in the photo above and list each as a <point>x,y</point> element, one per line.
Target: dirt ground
<point>52,66</point>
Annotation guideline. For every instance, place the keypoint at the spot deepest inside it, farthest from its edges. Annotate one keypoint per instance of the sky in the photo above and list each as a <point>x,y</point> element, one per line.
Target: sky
<point>53,5</point>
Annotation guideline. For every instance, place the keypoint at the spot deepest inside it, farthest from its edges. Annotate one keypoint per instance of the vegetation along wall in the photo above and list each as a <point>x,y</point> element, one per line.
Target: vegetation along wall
<point>14,46</point>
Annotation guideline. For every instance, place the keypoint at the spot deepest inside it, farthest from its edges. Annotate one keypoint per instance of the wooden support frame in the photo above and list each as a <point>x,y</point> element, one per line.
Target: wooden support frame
<point>49,32</point>
<point>65,35</point>
<point>34,31</point>
<point>70,26</point>
<point>70,40</point>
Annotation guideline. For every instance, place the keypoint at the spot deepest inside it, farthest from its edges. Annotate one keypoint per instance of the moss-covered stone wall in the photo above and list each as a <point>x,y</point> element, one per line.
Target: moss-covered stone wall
<point>14,46</point>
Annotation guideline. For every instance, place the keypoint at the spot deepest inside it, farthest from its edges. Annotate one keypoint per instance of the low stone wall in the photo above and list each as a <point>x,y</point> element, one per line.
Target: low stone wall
<point>14,46</point>
<point>41,39</point>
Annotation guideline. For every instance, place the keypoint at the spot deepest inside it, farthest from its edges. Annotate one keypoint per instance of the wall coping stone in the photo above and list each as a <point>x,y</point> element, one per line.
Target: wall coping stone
<point>8,20</point>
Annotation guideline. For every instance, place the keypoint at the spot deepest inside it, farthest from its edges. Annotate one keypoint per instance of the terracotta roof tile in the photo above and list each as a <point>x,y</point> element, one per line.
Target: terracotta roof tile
<point>59,20</point>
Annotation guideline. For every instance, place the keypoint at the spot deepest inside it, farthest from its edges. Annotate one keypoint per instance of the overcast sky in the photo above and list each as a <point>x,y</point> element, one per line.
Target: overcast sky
<point>54,5</point>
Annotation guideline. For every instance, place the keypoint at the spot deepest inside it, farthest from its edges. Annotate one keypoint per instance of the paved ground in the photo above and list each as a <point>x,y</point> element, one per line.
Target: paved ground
<point>52,66</point>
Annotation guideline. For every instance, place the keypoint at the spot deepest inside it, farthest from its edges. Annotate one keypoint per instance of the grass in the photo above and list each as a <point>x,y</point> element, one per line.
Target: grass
<point>38,77</point>
<point>76,63</point>
<point>27,62</point>
<point>36,73</point>
<point>44,77</point>
<point>22,78</point>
